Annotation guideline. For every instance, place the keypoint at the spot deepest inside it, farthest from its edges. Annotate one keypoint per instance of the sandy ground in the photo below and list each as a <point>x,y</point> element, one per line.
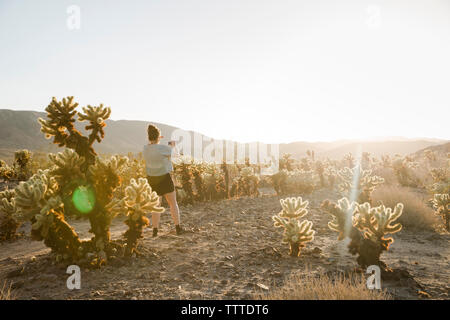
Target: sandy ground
<point>230,251</point>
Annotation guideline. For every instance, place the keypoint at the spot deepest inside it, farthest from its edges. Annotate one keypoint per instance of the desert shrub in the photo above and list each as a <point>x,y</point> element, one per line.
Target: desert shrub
<point>296,233</point>
<point>416,213</point>
<point>357,183</point>
<point>441,203</point>
<point>310,286</point>
<point>366,226</point>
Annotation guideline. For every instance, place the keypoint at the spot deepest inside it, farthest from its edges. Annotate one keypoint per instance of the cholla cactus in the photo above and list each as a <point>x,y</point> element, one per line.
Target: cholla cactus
<point>430,155</point>
<point>38,201</point>
<point>214,182</point>
<point>349,160</point>
<point>376,222</point>
<point>320,170</point>
<point>246,184</point>
<point>358,183</point>
<point>8,225</point>
<point>135,169</point>
<point>184,175</point>
<point>366,226</point>
<point>286,162</point>
<point>441,203</point>
<point>331,174</point>
<point>441,178</point>
<point>80,183</point>
<point>296,233</point>
<point>61,127</point>
<point>21,169</point>
<point>139,200</point>
<point>104,178</point>
<point>22,162</point>
<point>386,161</point>
<point>278,181</point>
<point>6,172</point>
<point>67,167</point>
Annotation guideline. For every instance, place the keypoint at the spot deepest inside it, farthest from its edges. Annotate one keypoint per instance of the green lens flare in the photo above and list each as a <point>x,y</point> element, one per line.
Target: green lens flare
<point>83,199</point>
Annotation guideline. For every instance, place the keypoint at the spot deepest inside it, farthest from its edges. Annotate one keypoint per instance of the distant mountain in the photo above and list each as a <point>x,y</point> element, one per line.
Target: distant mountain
<point>21,130</point>
<point>378,148</point>
<point>441,149</point>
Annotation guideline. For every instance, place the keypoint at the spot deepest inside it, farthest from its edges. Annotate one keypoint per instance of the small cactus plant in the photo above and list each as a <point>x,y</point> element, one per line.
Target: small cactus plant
<point>296,233</point>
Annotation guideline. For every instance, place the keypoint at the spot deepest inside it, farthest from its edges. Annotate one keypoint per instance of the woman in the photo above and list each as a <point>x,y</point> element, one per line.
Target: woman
<point>158,165</point>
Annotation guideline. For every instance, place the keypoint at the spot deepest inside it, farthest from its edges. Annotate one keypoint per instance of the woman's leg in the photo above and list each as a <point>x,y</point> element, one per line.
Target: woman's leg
<point>156,216</point>
<point>174,210</point>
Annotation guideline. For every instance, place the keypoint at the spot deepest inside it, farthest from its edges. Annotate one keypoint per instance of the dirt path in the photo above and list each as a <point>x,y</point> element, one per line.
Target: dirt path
<point>230,251</point>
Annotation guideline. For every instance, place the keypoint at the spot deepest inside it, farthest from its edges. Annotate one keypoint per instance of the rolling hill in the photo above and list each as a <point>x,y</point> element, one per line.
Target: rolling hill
<point>21,130</point>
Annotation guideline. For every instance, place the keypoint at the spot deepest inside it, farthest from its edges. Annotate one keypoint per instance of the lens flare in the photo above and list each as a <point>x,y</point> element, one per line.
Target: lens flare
<point>83,199</point>
<point>355,186</point>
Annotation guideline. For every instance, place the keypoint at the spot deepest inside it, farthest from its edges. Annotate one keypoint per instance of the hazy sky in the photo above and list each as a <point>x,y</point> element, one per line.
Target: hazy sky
<point>274,71</point>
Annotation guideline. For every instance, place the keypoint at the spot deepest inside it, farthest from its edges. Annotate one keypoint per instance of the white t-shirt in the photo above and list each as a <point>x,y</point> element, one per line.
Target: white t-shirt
<point>157,159</point>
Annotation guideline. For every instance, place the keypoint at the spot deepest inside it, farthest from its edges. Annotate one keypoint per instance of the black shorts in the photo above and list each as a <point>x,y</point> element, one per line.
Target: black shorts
<point>161,184</point>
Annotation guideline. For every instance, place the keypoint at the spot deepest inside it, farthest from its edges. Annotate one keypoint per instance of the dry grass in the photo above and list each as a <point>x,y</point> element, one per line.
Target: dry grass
<point>5,292</point>
<point>416,213</point>
<point>322,287</point>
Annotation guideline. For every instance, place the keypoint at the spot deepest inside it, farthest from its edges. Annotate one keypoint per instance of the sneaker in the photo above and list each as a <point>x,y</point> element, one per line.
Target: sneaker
<point>155,232</point>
